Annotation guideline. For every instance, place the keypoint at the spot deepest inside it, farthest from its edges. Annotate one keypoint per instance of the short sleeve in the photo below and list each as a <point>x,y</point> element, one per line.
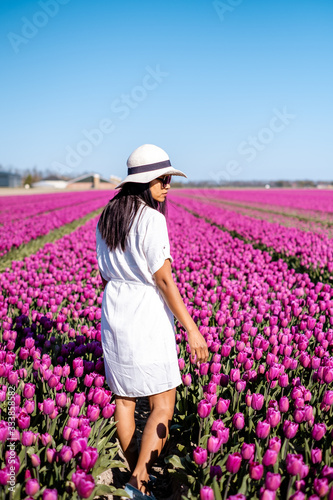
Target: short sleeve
<point>156,244</point>
<point>101,248</point>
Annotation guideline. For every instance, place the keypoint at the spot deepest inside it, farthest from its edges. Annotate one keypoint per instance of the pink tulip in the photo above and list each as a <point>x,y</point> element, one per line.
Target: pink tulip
<point>248,451</point>
<point>234,462</point>
<point>316,455</point>
<point>269,458</point>
<point>290,429</point>
<point>49,494</point>
<point>263,429</point>
<point>206,493</point>
<point>32,486</point>
<point>204,408</point>
<point>238,421</point>
<point>272,481</point>
<point>256,471</point>
<point>257,401</point>
<point>199,455</point>
<point>222,406</point>
<point>294,464</point>
<point>318,431</point>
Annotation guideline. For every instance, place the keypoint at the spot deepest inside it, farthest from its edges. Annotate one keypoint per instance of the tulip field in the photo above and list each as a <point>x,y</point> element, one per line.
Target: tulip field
<point>255,270</point>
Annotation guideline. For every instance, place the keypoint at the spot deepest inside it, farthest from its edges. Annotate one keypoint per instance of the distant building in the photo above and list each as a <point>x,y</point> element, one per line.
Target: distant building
<point>91,181</point>
<point>8,179</point>
<point>51,181</point>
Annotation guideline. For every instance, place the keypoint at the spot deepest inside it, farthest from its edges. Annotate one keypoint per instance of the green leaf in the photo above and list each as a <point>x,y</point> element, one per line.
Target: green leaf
<point>175,461</point>
<point>216,489</point>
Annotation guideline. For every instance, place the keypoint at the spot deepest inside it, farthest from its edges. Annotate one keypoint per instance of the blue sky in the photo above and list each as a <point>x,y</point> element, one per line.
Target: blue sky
<point>232,90</point>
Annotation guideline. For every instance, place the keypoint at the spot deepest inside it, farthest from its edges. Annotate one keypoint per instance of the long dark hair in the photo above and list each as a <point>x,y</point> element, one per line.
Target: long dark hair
<point>118,215</point>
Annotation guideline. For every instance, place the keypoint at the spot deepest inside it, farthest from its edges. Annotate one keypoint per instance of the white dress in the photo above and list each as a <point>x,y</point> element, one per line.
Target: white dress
<point>137,327</point>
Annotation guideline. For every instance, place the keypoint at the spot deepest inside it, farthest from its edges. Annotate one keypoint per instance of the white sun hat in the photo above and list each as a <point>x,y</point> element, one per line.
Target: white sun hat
<point>146,163</point>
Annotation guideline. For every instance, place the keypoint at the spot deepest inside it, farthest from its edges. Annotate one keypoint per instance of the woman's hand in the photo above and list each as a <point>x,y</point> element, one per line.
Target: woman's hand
<point>198,346</point>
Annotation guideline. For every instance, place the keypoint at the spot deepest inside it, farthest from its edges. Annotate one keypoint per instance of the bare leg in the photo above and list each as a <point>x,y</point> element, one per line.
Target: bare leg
<point>124,416</point>
<point>154,436</point>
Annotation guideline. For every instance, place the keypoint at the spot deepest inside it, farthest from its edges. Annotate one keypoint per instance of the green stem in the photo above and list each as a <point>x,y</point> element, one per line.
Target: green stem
<point>227,488</point>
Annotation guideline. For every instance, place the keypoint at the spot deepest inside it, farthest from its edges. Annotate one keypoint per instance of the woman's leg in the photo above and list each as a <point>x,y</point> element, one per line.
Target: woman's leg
<point>154,436</point>
<point>124,416</point>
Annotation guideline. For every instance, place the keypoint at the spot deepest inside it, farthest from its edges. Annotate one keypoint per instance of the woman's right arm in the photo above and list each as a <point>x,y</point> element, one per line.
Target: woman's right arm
<point>168,288</point>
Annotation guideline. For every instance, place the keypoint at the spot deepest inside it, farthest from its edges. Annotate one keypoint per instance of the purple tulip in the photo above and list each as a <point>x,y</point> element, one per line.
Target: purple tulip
<point>248,451</point>
<point>49,494</point>
<point>65,454</point>
<point>318,431</point>
<point>234,462</point>
<point>204,408</point>
<point>215,471</point>
<point>257,401</point>
<point>27,438</point>
<point>29,390</point>
<point>23,420</point>
<point>238,421</point>
<point>48,406</point>
<point>275,444</point>
<point>272,481</point>
<point>88,458</point>
<point>328,398</point>
<point>269,458</point>
<point>263,429</point>
<point>206,493</point>
<point>294,464</point>
<point>316,455</point>
<point>213,444</point>
<point>85,486</point>
<point>187,379</point>
<point>199,455</point>
<point>290,429</point>
<point>31,487</point>
<point>256,471</point>
<point>222,406</point>
<point>321,486</point>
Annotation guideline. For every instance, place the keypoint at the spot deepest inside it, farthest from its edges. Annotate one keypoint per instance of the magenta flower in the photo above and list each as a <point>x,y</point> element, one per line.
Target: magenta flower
<point>204,408</point>
<point>321,486</point>
<point>213,444</point>
<point>328,398</point>
<point>28,438</point>
<point>31,487</point>
<point>257,401</point>
<point>256,471</point>
<point>108,410</point>
<point>290,429</point>
<point>78,445</point>
<point>318,431</point>
<point>48,406</point>
<point>71,384</point>
<point>238,421</point>
<point>61,399</point>
<point>275,444</point>
<point>316,455</point>
<point>85,486</point>
<point>269,458</point>
<point>294,464</point>
<point>187,379</point>
<point>222,406</point>
<point>65,454</point>
<point>234,462</point>
<point>23,420</point>
<point>206,493</point>
<point>89,458</point>
<point>247,451</point>
<point>199,455</point>
<point>49,494</point>
<point>29,390</point>
<point>263,429</point>
<point>272,481</point>
<point>93,412</point>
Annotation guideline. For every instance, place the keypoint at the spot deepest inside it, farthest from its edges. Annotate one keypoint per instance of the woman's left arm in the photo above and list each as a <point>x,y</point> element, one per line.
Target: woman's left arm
<point>104,282</point>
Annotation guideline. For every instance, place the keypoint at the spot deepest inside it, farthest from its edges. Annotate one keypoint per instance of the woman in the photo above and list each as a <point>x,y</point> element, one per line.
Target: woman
<point>139,304</point>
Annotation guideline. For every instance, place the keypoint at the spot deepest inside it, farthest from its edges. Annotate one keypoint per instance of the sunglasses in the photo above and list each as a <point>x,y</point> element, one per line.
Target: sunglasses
<point>165,180</point>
